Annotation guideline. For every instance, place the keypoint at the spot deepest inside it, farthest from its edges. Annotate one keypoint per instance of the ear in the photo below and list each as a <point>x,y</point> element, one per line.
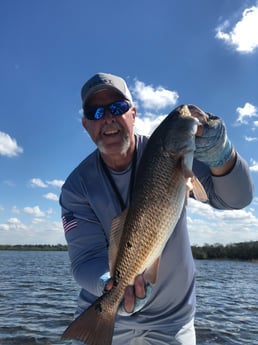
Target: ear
<point>133,113</point>
<point>85,123</point>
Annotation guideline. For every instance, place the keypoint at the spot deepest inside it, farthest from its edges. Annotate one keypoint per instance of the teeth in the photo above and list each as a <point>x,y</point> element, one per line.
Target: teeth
<point>110,132</point>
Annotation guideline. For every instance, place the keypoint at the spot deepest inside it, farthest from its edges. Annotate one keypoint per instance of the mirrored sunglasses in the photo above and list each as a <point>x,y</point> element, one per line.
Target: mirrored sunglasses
<point>116,108</point>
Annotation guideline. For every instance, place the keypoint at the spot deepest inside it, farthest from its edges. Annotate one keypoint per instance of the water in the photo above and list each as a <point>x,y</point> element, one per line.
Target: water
<point>38,298</point>
<point>227,302</point>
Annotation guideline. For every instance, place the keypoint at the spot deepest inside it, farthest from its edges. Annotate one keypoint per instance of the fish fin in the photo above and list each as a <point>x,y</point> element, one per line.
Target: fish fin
<point>151,273</point>
<point>192,183</point>
<point>115,237</point>
<point>198,190</point>
<point>94,326</point>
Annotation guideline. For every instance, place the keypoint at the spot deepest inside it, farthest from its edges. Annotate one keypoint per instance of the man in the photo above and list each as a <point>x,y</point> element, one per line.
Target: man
<point>100,188</point>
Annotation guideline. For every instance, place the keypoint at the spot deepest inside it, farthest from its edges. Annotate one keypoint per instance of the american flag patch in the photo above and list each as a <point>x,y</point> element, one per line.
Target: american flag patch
<point>69,222</point>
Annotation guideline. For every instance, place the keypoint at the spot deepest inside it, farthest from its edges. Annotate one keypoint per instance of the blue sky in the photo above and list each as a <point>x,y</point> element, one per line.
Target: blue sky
<point>170,52</point>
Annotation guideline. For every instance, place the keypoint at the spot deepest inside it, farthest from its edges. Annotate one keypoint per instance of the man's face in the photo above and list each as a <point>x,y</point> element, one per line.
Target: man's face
<point>112,134</point>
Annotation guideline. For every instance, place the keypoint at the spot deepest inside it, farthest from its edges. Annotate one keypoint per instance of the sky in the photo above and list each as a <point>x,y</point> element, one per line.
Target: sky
<point>169,52</point>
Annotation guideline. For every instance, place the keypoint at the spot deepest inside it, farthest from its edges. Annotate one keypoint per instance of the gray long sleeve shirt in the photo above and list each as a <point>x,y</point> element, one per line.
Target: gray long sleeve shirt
<point>88,206</point>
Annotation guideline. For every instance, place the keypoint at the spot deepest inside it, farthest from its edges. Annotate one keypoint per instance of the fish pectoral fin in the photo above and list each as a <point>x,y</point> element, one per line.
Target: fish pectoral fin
<point>192,183</point>
<point>198,190</point>
<point>150,275</point>
<point>115,237</point>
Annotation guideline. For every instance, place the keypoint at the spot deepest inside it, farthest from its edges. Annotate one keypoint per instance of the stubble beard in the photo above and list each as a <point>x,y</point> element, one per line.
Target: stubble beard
<point>125,145</point>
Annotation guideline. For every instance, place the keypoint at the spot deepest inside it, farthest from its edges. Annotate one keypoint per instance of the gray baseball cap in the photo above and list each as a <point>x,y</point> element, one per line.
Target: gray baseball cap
<point>104,81</point>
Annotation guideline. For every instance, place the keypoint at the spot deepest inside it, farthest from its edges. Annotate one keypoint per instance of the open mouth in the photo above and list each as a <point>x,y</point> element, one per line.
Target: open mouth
<point>111,132</point>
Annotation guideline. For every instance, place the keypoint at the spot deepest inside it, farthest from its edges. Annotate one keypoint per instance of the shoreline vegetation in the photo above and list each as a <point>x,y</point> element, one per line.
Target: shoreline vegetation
<point>246,251</point>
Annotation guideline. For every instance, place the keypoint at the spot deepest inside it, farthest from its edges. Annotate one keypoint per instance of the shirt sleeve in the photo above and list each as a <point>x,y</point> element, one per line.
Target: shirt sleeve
<point>231,191</point>
<point>86,239</point>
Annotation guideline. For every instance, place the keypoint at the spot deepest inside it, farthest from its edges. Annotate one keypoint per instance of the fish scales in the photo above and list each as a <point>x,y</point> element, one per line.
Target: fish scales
<point>154,210</point>
<point>157,202</point>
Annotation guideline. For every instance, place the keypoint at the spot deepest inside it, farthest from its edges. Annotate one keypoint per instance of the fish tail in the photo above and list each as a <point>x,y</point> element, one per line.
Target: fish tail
<point>95,326</point>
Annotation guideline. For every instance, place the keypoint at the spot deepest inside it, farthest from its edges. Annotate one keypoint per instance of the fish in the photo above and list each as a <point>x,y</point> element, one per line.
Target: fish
<point>139,234</point>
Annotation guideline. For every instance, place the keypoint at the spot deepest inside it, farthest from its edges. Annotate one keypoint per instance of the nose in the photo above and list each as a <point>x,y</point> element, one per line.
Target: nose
<point>108,116</point>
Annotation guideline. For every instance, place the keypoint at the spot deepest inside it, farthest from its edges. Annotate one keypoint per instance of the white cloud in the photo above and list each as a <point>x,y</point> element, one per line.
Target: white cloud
<point>4,227</point>
<point>243,35</point>
<point>37,231</point>
<point>208,225</point>
<point>251,139</point>
<point>247,112</point>
<point>37,182</point>
<point>37,220</point>
<point>146,125</point>
<point>51,196</point>
<point>254,166</point>
<point>55,183</point>
<point>9,146</point>
<point>12,223</point>
<point>154,98</point>
<point>34,211</point>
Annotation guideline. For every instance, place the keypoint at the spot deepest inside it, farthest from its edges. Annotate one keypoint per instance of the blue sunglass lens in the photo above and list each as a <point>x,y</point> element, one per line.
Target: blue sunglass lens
<point>99,113</point>
<point>117,108</point>
<point>94,113</point>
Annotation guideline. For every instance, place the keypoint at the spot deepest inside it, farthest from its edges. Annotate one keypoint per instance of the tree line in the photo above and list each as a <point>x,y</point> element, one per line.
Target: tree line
<point>238,251</point>
<point>34,247</point>
<point>235,251</point>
